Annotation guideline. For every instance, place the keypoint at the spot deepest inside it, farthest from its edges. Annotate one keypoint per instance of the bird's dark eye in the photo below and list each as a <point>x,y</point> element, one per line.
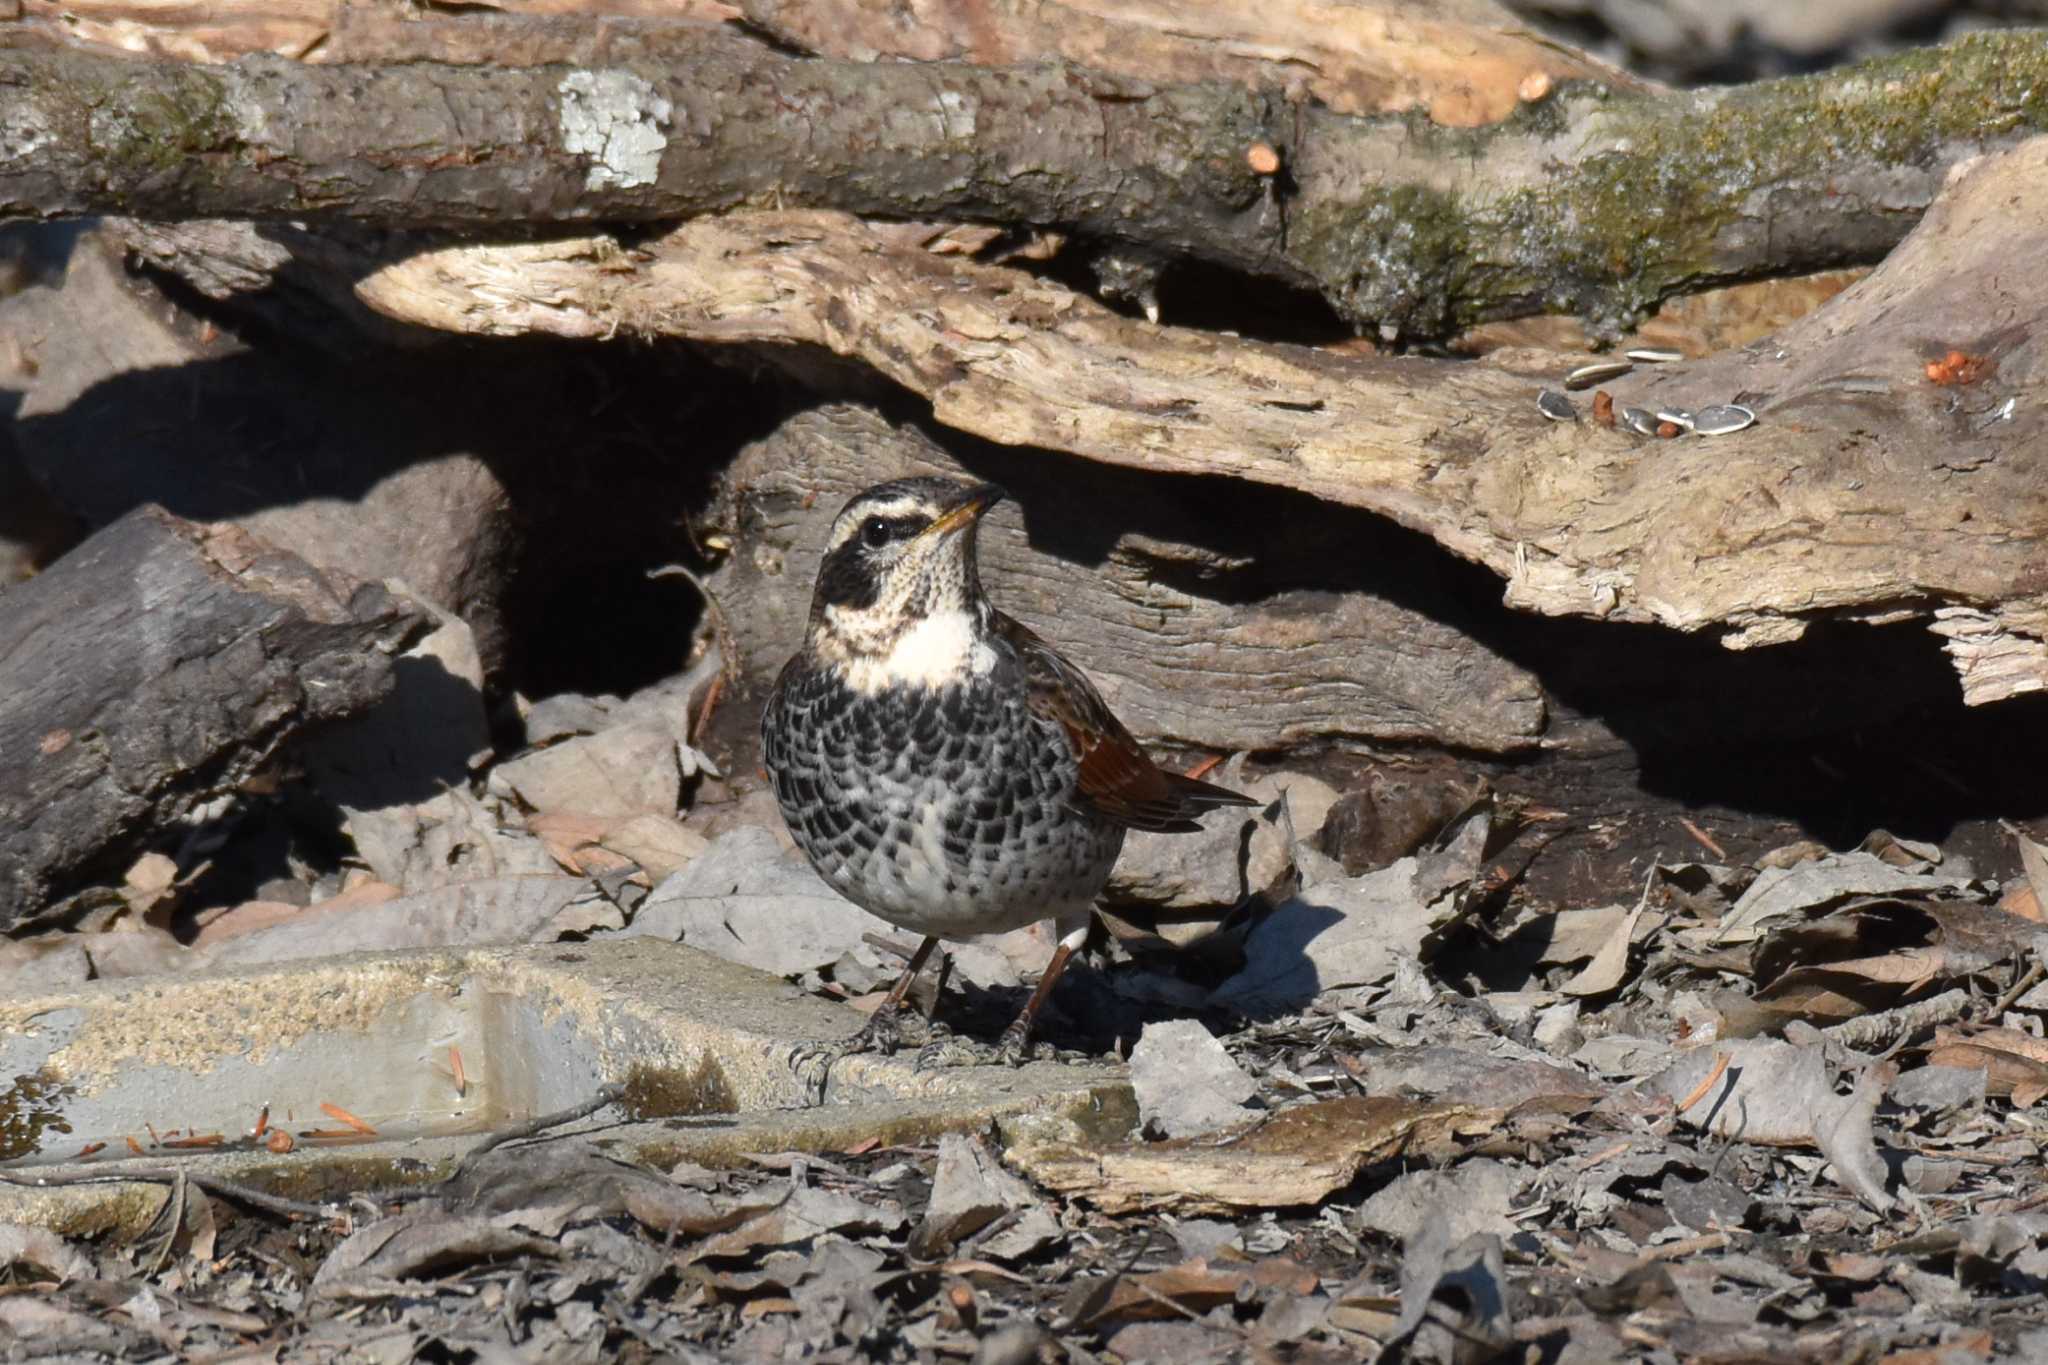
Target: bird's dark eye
<point>874,533</point>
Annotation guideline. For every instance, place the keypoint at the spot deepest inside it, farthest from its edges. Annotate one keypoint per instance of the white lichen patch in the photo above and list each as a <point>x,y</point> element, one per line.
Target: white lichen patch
<point>616,119</point>
<point>22,134</point>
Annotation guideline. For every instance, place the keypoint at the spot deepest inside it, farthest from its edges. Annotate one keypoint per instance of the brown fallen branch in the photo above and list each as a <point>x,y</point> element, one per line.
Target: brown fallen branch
<point>1868,490</point>
<point>1465,62</point>
<point>155,668</point>
<point>1590,202</point>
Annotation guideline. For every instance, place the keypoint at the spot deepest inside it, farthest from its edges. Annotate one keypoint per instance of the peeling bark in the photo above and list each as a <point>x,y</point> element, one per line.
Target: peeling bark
<point>1586,201</point>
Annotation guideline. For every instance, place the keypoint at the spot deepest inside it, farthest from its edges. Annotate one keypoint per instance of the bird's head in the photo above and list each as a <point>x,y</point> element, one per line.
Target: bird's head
<point>899,597</point>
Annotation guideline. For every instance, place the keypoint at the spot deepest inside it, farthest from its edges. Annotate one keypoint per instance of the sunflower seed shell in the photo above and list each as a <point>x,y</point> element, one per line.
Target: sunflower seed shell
<point>1556,406</point>
<point>1586,376</point>
<point>1721,420</point>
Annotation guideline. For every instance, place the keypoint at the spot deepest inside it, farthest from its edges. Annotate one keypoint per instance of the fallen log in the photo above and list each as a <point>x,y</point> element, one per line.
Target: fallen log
<point>154,669</point>
<point>1590,201</point>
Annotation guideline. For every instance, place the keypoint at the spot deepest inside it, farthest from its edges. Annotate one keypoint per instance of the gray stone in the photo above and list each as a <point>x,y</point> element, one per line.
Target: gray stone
<point>538,1028</point>
<point>1186,1083</point>
<point>970,1190</point>
<point>612,775</point>
<point>748,900</point>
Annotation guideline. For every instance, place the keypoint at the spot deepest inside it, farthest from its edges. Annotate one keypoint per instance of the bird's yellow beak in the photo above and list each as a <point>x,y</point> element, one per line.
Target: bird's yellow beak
<point>966,512</point>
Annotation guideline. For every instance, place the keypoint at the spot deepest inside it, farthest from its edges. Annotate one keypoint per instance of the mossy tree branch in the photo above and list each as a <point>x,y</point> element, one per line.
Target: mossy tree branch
<point>1588,201</point>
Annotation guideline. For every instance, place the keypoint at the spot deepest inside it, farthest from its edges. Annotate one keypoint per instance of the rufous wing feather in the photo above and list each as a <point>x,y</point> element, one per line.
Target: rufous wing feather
<point>1118,780</point>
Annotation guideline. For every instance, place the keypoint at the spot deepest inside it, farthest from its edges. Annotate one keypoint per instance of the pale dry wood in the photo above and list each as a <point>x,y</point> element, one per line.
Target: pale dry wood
<point>1463,62</point>
<point>1866,491</point>
<point>1298,1157</point>
<point>1196,663</point>
<point>508,32</point>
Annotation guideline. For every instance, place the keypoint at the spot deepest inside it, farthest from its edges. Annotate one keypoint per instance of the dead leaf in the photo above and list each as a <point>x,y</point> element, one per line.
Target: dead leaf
<point>1454,1300</point>
<point>1199,1285</point>
<point>1806,889</point>
<point>1337,932</point>
<point>1779,1093</point>
<point>38,1249</point>
<point>2015,1064</point>
<point>612,775</point>
<point>1870,955</point>
<point>1609,967</point>
<point>748,901</point>
<point>1185,1082</point>
<point>970,1190</point>
<point>415,1244</point>
<point>660,844</point>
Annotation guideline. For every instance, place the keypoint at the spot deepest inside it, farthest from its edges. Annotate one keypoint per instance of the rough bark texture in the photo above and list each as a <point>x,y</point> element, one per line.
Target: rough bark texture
<point>511,33</point>
<point>155,668</point>
<point>1463,62</point>
<point>1868,491</point>
<point>1586,201</point>
<point>1188,643</point>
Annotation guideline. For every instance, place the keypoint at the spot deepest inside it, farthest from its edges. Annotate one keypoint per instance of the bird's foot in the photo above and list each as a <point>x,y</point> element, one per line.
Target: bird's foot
<point>812,1062</point>
<point>948,1049</point>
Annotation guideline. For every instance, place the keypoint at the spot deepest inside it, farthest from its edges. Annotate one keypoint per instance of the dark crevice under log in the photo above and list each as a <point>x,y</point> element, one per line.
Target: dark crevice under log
<point>155,668</point>
<point>1589,201</point>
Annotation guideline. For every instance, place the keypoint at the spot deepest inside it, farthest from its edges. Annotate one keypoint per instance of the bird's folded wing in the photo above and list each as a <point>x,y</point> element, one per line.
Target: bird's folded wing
<point>1118,780</point>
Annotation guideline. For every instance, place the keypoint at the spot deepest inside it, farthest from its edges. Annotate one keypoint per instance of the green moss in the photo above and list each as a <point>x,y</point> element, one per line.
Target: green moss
<point>670,1092</point>
<point>1611,231</point>
<point>160,124</point>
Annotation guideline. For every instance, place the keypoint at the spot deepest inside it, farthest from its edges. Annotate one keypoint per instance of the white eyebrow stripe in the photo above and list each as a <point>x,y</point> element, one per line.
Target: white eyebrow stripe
<point>895,507</point>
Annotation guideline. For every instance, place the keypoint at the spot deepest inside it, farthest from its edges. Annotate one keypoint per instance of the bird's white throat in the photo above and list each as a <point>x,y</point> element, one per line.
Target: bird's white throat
<point>942,648</point>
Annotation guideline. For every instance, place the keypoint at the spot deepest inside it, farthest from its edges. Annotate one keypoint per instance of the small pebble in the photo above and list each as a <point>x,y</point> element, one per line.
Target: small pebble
<point>1719,421</point>
<point>1667,430</point>
<point>1586,376</point>
<point>1556,406</point>
<point>1603,407</point>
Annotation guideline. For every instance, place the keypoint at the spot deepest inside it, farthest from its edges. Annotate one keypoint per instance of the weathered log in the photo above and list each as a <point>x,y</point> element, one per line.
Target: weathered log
<point>1189,641</point>
<point>1465,62</point>
<point>155,668</point>
<point>1874,488</point>
<point>1590,202</point>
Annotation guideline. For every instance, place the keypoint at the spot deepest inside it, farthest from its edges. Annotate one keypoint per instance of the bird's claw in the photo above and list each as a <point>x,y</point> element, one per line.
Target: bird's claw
<point>949,1050</point>
<point>812,1061</point>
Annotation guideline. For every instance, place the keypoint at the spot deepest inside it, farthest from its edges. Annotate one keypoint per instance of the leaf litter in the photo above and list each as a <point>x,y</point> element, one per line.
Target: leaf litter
<point>1386,1105</point>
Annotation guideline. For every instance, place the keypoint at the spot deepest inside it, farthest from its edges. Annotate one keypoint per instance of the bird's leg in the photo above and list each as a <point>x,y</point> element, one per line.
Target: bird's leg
<point>1012,1047</point>
<point>878,1034</point>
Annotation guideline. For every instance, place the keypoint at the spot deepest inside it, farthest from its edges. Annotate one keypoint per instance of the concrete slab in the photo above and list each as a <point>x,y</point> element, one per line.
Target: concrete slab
<point>703,1048</point>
